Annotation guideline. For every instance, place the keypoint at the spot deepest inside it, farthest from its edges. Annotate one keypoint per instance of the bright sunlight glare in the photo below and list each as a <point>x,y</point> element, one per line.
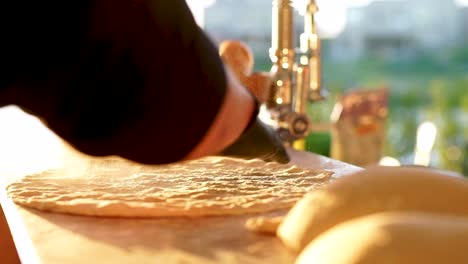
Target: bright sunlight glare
<point>26,145</point>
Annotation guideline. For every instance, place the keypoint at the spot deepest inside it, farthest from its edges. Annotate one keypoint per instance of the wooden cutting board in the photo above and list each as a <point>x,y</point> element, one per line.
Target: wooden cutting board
<point>57,238</point>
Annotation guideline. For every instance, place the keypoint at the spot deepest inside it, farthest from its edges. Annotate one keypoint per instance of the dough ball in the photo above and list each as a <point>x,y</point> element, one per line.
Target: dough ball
<point>378,189</point>
<point>403,238</point>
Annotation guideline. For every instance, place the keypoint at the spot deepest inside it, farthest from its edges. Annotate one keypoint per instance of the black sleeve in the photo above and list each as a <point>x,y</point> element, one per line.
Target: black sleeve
<point>133,78</point>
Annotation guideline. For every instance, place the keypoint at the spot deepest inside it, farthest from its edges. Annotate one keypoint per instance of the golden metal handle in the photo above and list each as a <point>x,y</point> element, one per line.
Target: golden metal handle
<point>294,83</point>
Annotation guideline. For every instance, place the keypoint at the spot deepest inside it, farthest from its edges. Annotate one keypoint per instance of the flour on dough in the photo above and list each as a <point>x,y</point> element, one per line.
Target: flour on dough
<point>208,186</point>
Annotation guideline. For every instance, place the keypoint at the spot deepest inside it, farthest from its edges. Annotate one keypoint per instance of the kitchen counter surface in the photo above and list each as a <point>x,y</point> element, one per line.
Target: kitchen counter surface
<point>42,237</point>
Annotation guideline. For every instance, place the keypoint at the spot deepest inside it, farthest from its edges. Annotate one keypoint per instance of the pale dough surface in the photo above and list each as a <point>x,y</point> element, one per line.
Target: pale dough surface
<point>265,225</point>
<point>208,186</point>
<point>392,237</point>
<point>374,190</point>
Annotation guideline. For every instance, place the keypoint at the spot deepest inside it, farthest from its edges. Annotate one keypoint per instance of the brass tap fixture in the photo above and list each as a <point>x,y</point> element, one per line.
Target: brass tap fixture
<point>296,73</point>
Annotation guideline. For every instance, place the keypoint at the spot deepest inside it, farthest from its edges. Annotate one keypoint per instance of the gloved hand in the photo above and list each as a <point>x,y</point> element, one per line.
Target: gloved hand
<point>258,141</point>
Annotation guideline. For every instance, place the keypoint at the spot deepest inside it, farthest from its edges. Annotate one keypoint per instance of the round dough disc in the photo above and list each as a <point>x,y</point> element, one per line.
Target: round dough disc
<point>208,186</point>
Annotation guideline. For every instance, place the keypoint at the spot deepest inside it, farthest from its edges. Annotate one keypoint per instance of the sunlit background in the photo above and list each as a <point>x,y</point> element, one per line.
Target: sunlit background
<point>417,48</point>
<point>26,145</point>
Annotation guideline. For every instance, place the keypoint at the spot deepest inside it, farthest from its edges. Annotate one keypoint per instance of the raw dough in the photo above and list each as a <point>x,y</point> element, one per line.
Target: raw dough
<point>263,224</point>
<point>403,238</point>
<point>209,186</point>
<point>377,189</point>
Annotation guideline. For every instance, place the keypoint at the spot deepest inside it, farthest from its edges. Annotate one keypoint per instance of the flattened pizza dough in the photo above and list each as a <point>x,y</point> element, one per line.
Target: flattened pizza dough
<point>208,186</point>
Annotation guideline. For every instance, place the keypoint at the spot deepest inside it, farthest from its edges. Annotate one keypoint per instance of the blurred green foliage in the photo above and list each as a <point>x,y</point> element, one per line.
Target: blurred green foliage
<point>430,86</point>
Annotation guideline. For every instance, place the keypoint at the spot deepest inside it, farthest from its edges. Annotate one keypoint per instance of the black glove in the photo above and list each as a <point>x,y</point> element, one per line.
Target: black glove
<point>258,141</point>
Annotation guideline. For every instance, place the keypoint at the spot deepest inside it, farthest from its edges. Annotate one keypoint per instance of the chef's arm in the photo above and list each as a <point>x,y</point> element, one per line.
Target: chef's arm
<point>255,140</point>
<point>133,78</point>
